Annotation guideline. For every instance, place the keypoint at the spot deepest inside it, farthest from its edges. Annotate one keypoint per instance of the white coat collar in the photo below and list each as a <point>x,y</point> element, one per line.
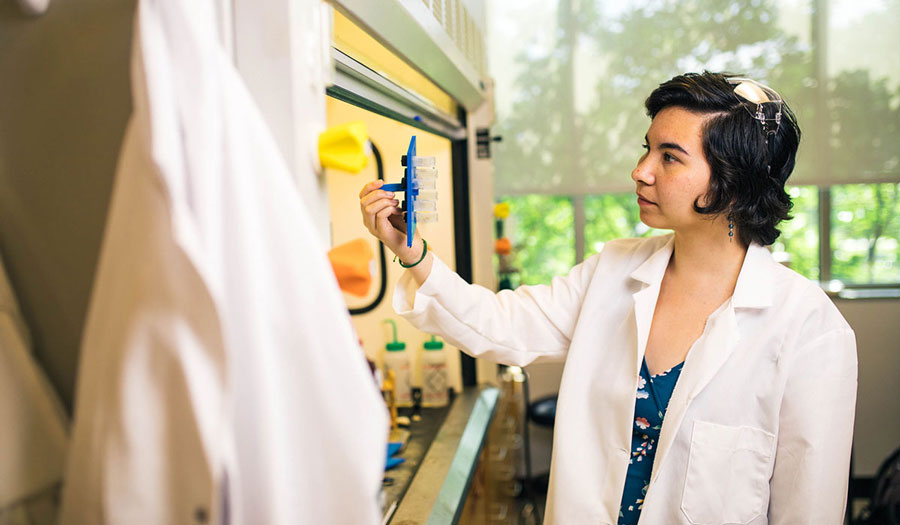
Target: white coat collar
<point>754,287</point>
<point>755,284</point>
<point>651,271</point>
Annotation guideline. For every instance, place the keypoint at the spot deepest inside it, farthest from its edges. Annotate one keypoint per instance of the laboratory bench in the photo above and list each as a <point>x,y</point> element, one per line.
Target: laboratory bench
<point>441,455</point>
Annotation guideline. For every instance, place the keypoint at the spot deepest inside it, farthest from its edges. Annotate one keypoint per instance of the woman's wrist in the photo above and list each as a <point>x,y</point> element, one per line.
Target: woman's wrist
<point>410,254</point>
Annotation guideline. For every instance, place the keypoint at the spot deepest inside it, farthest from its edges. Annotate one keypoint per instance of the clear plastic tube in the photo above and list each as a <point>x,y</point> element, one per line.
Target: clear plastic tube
<point>425,205</point>
<point>426,173</point>
<point>425,217</point>
<point>427,184</point>
<point>424,162</point>
<point>428,195</point>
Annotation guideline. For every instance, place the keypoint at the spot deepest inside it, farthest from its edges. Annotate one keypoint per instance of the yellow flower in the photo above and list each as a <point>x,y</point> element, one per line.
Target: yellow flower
<point>501,210</point>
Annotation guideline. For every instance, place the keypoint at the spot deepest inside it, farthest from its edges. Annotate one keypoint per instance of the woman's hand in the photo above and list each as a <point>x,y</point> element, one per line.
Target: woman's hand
<point>384,219</point>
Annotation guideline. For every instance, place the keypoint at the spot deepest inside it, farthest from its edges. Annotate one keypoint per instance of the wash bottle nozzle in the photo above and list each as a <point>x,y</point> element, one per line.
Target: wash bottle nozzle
<point>395,345</point>
<point>433,344</point>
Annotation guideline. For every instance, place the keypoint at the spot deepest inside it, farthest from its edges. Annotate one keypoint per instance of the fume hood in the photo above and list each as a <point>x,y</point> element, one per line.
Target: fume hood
<point>403,67</point>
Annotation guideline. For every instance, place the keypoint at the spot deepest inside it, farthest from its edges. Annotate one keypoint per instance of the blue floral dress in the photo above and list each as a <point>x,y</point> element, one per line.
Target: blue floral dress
<point>653,396</point>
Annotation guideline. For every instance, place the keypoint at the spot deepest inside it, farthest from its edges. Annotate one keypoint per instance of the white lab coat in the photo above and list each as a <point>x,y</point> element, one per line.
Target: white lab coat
<point>220,377</point>
<point>758,429</point>
<point>33,424</point>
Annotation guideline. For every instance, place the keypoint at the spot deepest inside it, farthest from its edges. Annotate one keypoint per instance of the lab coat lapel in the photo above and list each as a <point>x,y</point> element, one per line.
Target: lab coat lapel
<point>704,359</point>
<point>650,273</point>
<point>718,341</point>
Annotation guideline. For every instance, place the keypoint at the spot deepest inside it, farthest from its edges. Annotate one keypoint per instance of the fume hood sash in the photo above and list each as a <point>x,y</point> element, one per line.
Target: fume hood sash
<point>358,85</point>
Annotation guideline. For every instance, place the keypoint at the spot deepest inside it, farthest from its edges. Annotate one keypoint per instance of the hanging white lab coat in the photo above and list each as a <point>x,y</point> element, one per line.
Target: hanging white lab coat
<point>220,378</point>
<point>33,424</point>
<point>758,429</point>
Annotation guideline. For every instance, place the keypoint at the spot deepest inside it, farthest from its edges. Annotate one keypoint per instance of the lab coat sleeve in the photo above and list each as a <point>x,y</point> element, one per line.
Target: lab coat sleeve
<point>510,327</point>
<point>812,461</point>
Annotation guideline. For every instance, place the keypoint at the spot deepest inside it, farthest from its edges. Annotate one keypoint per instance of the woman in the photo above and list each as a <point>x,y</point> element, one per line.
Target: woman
<point>704,382</point>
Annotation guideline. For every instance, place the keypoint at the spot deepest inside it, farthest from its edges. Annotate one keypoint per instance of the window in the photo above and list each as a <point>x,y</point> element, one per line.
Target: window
<point>864,228</point>
<point>570,94</point>
<point>865,233</point>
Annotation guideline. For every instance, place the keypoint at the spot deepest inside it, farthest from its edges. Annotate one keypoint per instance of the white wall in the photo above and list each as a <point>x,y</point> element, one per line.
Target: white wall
<point>877,432</point>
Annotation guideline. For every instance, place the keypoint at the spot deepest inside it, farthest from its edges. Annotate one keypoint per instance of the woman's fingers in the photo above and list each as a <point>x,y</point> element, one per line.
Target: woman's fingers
<point>380,208</point>
<point>385,228</point>
<point>375,184</point>
<point>381,214</point>
<point>398,221</point>
<point>385,212</point>
<point>371,197</point>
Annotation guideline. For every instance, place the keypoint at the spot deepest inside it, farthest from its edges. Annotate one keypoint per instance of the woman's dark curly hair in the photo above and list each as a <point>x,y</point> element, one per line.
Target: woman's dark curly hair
<point>734,143</point>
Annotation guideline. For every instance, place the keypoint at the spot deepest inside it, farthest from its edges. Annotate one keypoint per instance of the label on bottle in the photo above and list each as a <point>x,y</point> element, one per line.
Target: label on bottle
<point>434,384</point>
<point>402,386</point>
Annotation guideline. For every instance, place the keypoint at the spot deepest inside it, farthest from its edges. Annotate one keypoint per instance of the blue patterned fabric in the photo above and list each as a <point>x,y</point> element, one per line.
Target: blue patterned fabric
<point>653,396</point>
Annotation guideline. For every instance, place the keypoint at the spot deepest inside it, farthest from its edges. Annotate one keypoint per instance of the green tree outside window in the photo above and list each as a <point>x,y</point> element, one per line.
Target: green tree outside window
<point>612,216</point>
<point>540,229</point>
<point>865,233</point>
<point>798,245</point>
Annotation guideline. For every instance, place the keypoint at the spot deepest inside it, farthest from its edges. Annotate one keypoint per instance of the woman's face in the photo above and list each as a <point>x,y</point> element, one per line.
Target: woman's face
<point>673,172</point>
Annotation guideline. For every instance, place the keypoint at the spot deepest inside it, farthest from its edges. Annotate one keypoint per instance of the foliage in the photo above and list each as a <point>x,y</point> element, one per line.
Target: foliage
<point>540,227</point>
<point>612,216</point>
<point>798,244</point>
<point>865,233</point>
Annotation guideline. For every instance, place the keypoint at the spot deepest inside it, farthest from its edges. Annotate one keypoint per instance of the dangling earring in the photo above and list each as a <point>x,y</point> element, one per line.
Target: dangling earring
<point>730,228</point>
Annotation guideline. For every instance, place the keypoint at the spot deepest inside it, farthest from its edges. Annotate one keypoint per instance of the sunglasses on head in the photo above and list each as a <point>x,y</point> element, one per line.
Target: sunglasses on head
<point>751,93</point>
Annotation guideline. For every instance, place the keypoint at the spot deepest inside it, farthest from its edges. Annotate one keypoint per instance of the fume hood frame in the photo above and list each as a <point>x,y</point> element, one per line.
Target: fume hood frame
<point>443,40</point>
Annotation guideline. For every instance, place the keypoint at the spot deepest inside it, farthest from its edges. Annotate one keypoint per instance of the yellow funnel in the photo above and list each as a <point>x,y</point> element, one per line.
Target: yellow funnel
<point>344,147</point>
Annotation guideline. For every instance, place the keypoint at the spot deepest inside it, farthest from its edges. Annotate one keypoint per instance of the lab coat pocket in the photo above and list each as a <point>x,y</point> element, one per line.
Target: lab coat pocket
<point>728,473</point>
